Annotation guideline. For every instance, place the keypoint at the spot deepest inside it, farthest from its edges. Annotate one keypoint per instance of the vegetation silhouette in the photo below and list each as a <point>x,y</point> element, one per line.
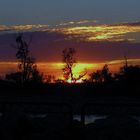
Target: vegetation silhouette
<point>49,79</point>
<point>129,74</point>
<point>69,59</point>
<point>27,68</point>
<point>99,82</point>
<point>100,76</point>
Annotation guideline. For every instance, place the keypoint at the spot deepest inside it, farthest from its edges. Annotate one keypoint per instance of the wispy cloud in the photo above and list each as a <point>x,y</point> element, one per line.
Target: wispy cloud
<point>129,23</point>
<point>86,30</point>
<point>81,22</point>
<point>102,32</point>
<point>38,27</point>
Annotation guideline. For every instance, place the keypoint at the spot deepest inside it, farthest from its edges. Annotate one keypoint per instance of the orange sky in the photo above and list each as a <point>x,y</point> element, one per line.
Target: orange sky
<point>55,68</point>
<point>95,44</point>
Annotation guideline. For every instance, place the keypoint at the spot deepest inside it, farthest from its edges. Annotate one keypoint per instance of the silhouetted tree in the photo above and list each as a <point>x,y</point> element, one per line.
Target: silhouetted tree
<point>129,74</point>
<point>80,76</point>
<point>26,66</point>
<point>96,77</point>
<point>126,62</point>
<point>26,63</point>
<point>14,77</point>
<point>49,78</point>
<point>106,74</point>
<point>36,77</point>
<point>69,60</point>
<point>103,75</point>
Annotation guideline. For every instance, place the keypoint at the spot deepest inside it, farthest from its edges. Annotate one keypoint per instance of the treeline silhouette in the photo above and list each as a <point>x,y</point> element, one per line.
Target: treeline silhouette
<point>28,75</point>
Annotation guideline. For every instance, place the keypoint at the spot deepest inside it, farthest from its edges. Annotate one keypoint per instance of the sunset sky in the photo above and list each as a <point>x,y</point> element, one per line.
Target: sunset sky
<point>101,31</point>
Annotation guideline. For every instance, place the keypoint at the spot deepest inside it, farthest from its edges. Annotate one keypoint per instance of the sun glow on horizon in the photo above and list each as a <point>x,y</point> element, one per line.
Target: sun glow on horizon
<point>55,68</point>
<point>78,69</point>
<point>73,82</point>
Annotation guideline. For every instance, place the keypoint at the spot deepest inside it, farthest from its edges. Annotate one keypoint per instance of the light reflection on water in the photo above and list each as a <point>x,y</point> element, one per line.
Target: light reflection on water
<point>89,118</point>
<point>92,118</point>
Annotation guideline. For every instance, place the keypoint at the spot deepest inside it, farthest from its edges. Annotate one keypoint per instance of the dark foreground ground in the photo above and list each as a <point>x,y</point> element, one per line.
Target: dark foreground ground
<point>47,112</point>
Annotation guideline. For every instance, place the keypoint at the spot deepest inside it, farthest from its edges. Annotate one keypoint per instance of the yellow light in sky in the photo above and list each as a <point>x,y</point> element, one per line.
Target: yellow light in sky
<point>77,81</point>
<point>78,69</point>
<point>83,31</point>
<point>81,68</point>
<point>100,32</point>
<point>55,68</point>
